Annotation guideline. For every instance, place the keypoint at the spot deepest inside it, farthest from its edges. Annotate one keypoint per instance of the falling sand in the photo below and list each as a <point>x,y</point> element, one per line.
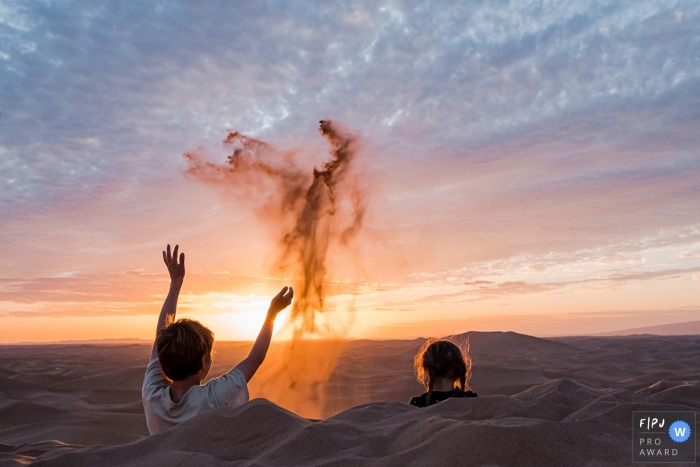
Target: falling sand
<point>318,210</point>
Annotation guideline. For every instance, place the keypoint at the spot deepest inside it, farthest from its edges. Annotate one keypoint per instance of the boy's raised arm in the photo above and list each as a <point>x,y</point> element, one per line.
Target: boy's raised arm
<point>257,354</point>
<point>177,275</point>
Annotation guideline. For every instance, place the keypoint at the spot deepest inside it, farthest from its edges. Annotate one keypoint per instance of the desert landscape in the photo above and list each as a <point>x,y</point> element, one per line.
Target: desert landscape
<point>556,401</point>
<point>346,180</point>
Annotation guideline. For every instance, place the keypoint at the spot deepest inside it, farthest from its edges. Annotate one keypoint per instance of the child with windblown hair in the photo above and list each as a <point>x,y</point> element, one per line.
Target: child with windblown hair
<point>444,369</point>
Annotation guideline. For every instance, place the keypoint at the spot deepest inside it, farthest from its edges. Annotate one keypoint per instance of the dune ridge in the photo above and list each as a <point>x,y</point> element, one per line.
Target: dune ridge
<point>671,329</point>
<point>564,401</point>
<point>558,423</point>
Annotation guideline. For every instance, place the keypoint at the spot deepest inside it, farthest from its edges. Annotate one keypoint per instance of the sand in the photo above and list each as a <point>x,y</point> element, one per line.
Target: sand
<point>559,402</point>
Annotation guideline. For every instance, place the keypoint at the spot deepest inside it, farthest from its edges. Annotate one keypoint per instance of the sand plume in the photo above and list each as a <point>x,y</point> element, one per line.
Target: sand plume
<point>318,209</point>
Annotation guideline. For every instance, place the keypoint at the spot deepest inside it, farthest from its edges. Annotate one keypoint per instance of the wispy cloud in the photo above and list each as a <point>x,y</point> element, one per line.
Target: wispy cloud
<point>90,89</point>
<point>502,139</point>
<point>486,290</point>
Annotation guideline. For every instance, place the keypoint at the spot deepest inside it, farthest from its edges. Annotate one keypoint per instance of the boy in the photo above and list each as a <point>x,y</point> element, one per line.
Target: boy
<point>181,359</point>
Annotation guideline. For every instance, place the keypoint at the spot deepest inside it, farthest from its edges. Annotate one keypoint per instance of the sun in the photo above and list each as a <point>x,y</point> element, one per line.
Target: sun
<point>234,317</point>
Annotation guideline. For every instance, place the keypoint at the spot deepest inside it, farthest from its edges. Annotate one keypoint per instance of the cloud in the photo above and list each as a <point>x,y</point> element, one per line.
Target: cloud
<point>690,254</point>
<point>486,290</point>
<point>503,138</point>
<point>137,292</point>
<point>92,88</point>
<point>130,292</point>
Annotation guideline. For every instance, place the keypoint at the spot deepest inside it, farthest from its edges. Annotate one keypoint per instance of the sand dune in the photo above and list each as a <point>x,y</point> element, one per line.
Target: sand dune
<point>566,401</point>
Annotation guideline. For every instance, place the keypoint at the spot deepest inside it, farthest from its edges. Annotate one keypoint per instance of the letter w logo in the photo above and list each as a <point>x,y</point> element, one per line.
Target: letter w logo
<point>680,431</point>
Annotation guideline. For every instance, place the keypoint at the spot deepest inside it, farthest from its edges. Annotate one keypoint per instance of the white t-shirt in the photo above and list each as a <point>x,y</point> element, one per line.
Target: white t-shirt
<point>229,390</point>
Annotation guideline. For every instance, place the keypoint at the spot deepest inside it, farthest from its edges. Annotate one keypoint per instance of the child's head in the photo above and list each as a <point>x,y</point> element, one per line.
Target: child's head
<point>442,359</point>
<point>184,349</point>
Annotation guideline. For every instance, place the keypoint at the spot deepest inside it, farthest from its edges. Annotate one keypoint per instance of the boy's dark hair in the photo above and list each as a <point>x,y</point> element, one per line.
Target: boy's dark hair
<point>181,347</point>
<point>443,359</point>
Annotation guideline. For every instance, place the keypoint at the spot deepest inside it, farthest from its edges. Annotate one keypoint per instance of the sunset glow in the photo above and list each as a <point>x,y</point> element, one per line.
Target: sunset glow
<point>526,170</point>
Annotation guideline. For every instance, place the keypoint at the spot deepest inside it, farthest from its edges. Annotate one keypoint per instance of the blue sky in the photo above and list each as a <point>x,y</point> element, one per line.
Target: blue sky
<point>527,141</point>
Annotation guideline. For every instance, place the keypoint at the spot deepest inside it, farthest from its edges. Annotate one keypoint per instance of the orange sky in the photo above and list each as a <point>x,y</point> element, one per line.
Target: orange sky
<point>414,270</point>
<point>528,171</point>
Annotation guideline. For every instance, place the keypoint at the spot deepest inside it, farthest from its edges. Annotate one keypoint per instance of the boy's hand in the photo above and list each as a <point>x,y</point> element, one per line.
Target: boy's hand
<point>280,301</point>
<point>177,271</point>
<point>252,362</point>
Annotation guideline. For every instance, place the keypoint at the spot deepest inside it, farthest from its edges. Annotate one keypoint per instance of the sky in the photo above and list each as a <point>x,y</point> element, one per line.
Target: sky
<point>531,166</point>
